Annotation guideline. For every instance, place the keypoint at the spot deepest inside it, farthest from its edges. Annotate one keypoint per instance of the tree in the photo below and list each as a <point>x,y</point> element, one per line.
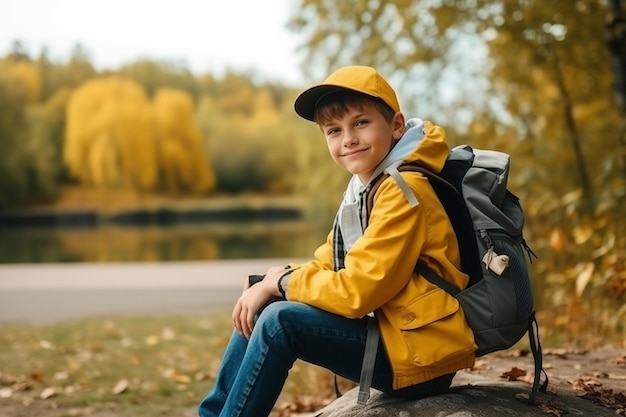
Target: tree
<point>181,157</point>
<point>417,44</point>
<point>154,75</point>
<point>541,88</point>
<point>109,138</point>
<point>56,76</point>
<point>21,80</point>
<point>117,137</point>
<point>27,170</point>
<point>542,68</point>
<point>250,135</point>
<point>616,42</point>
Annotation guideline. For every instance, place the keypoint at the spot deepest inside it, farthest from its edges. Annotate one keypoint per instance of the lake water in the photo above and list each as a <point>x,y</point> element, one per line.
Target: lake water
<point>189,242</point>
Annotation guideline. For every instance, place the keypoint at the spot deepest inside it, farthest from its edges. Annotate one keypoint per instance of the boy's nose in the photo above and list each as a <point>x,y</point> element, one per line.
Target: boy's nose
<point>350,138</point>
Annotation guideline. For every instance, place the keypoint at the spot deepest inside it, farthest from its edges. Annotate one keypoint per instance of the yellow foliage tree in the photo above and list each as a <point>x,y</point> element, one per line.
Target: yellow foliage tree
<point>117,137</point>
<point>180,154</point>
<point>109,138</point>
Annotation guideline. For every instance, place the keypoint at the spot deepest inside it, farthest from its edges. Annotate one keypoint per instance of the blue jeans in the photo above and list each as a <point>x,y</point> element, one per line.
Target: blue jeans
<point>253,372</point>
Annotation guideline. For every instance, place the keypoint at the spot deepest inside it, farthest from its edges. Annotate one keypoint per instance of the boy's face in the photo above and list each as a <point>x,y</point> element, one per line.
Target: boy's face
<point>360,139</point>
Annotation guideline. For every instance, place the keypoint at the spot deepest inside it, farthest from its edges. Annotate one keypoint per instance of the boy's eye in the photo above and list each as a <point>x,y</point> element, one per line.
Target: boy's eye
<point>361,122</point>
<point>331,131</point>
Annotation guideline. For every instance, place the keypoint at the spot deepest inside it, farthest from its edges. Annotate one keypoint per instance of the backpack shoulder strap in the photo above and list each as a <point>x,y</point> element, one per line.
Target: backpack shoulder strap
<point>460,218</point>
<point>535,347</point>
<point>456,209</point>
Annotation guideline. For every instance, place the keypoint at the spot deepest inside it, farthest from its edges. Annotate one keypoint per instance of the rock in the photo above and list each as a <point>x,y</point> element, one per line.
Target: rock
<point>484,393</point>
<point>465,401</point>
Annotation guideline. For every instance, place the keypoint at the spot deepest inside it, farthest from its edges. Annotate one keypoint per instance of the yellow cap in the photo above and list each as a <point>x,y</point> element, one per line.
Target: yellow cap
<point>361,79</point>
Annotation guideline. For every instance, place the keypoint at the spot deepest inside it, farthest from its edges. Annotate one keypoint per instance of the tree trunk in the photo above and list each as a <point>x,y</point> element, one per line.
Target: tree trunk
<point>616,43</point>
<point>571,127</point>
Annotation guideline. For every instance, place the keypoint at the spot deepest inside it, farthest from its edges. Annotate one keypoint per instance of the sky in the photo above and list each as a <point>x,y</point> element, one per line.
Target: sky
<point>205,35</point>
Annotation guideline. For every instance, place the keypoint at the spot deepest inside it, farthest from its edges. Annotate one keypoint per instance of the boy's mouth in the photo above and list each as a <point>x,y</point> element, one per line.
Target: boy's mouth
<point>354,152</point>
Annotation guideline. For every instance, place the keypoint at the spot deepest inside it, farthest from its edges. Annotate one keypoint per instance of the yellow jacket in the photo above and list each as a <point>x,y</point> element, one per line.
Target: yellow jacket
<point>422,327</point>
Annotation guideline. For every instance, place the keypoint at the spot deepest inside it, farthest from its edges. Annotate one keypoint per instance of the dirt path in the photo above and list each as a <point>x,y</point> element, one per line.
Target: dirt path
<point>42,293</point>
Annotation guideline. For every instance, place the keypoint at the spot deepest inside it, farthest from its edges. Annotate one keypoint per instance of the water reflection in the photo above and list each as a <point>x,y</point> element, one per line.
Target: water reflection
<point>191,242</point>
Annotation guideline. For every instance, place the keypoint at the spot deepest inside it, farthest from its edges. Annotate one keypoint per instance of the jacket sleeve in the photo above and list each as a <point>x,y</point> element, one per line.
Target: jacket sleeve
<point>378,265</point>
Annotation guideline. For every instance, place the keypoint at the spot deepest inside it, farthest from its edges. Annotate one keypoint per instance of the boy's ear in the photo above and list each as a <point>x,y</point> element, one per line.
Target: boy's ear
<point>399,125</point>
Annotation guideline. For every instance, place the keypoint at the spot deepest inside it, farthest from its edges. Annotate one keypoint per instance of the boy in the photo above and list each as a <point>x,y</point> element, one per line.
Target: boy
<point>366,266</point>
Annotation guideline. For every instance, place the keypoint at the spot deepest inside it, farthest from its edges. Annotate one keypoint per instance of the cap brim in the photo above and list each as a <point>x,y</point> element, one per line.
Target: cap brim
<point>307,101</point>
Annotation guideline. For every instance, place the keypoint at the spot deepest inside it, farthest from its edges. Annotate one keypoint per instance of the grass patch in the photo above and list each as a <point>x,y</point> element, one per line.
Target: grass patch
<point>129,366</point>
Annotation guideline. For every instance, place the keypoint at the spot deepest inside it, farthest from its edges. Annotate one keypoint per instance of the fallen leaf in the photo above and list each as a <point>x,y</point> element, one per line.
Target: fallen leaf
<point>529,378</point>
<point>152,340</point>
<point>552,407</point>
<point>21,385</point>
<point>73,365</point>
<point>201,376</point>
<point>37,376</point>
<point>182,379</point>
<point>95,347</point>
<point>592,390</point>
<point>44,344</point>
<point>47,393</point>
<point>514,374</point>
<point>61,375</point>
<point>120,387</point>
<point>168,334</point>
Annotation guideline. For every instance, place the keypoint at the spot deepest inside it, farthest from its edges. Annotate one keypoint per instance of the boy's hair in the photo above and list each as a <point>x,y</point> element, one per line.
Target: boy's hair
<point>334,106</point>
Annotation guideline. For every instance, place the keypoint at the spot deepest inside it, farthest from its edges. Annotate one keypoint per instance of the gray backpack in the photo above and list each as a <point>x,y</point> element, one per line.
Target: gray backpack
<point>488,221</point>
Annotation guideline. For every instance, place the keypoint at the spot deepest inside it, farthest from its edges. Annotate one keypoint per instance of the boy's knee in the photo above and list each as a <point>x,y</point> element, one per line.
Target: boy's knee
<point>277,312</point>
<point>272,311</point>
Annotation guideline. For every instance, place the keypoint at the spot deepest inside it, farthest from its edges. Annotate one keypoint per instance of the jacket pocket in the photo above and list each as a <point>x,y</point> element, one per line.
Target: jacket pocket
<point>426,309</point>
<point>434,329</point>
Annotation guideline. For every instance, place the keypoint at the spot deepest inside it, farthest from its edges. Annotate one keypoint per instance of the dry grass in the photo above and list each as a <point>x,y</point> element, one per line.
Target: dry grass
<point>128,366</point>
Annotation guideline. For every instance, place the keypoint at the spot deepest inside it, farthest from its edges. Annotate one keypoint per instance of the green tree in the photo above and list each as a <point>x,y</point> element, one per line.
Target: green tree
<point>27,165</point>
<point>70,74</point>
<point>154,75</point>
<point>249,135</point>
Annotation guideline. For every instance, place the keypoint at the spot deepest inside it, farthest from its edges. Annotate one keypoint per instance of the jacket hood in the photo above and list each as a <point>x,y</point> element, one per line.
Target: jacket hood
<point>422,143</point>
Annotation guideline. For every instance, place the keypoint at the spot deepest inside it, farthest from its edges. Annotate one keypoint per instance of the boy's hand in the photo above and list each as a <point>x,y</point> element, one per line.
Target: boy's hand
<point>254,298</point>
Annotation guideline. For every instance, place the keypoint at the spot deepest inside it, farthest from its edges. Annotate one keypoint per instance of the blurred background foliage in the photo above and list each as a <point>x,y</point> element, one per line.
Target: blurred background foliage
<point>543,80</point>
